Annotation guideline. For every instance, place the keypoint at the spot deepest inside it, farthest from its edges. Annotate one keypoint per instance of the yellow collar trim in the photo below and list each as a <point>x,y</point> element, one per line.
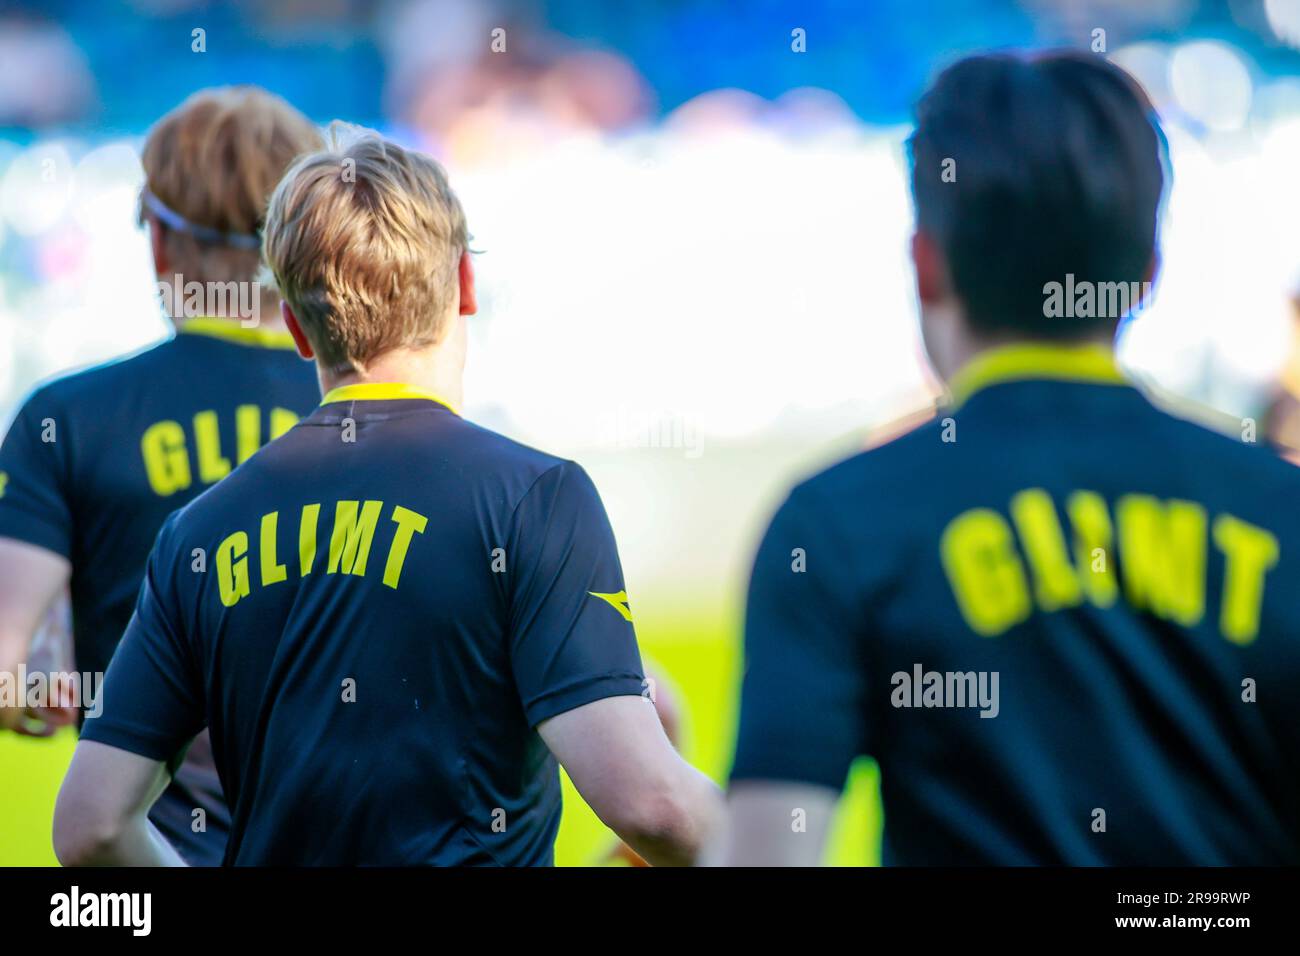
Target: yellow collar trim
<point>1029,361</point>
<point>382,391</point>
<point>231,330</point>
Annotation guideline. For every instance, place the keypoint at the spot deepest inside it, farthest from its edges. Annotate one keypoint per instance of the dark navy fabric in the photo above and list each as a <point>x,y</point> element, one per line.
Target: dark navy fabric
<point>1147,649</point>
<point>392,600</point>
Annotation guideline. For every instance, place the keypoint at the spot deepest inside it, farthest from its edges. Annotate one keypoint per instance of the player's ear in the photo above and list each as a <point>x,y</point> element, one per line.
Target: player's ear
<point>158,246</point>
<point>299,337</point>
<point>468,297</point>
<point>931,269</point>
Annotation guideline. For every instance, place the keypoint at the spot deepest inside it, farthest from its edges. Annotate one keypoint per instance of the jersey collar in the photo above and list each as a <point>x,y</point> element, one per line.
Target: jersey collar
<point>383,391</point>
<point>230,330</point>
<point>1035,361</point>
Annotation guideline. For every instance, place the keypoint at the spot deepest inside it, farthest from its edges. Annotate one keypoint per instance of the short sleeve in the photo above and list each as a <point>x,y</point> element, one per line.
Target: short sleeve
<point>803,707</point>
<point>33,482</point>
<point>571,635</point>
<point>152,700</point>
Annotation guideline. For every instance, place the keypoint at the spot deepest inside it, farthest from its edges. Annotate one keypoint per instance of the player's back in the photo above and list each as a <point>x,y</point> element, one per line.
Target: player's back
<point>1074,631</point>
<point>123,445</point>
<point>381,623</point>
<point>95,462</point>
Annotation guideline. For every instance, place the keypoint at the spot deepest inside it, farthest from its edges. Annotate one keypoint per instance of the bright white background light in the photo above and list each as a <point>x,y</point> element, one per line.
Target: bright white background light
<point>1211,83</point>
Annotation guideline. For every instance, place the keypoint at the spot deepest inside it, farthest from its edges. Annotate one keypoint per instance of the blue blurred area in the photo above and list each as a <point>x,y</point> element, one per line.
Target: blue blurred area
<point>876,55</point>
<point>142,61</point>
<point>564,120</point>
<point>337,57</point>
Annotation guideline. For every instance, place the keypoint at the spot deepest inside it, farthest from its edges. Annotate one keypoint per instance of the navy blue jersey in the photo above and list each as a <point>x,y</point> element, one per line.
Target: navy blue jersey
<point>372,616</point>
<point>1063,621</point>
<point>95,462</point>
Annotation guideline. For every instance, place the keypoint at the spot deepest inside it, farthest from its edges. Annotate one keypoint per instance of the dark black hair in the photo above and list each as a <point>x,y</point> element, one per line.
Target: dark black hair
<point>1057,159</point>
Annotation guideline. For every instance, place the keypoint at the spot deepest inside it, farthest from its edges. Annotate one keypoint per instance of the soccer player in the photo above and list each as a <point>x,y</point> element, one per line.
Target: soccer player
<point>404,618</point>
<point>1062,621</point>
<point>94,462</point>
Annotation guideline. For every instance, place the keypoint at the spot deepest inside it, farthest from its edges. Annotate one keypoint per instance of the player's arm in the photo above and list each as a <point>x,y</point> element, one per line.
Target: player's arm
<point>761,827</point>
<point>35,541</point>
<point>803,700</point>
<point>664,697</point>
<point>578,671</point>
<point>152,705</point>
<point>617,755</point>
<point>32,579</point>
<point>102,815</point>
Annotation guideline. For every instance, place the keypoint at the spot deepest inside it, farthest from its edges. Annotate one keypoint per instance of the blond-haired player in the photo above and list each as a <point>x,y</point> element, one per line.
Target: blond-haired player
<point>407,618</point>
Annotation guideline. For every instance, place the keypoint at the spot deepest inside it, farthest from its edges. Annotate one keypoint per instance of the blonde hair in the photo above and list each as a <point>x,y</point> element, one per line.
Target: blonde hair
<point>364,239</point>
<point>213,162</point>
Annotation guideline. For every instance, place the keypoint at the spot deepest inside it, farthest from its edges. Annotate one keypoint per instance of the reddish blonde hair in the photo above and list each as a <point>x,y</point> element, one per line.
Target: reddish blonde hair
<point>214,160</point>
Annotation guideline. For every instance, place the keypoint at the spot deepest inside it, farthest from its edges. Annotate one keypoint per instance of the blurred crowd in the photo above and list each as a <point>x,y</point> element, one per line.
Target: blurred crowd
<point>580,135</point>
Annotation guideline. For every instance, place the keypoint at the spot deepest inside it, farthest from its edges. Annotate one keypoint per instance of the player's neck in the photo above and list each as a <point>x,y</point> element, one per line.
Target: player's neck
<point>976,347</point>
<point>440,370</point>
<point>262,311</point>
<point>952,343</point>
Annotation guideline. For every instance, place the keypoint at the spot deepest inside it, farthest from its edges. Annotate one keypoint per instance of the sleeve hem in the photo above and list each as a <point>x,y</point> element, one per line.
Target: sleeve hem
<point>144,745</point>
<point>586,692</point>
<point>36,532</point>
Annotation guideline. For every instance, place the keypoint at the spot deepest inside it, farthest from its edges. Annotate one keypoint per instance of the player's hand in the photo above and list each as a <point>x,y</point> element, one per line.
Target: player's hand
<point>623,855</point>
<point>45,721</point>
<point>52,655</point>
<point>664,696</point>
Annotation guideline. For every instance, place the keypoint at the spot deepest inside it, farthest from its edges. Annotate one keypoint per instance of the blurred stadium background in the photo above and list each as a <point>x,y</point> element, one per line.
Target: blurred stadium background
<point>693,275</point>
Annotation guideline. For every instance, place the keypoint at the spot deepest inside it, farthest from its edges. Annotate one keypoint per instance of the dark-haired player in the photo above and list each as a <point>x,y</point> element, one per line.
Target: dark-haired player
<point>1062,621</point>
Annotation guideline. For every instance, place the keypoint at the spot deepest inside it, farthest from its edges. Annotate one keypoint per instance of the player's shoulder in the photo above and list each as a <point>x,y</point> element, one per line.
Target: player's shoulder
<point>522,469</point>
<point>503,467</point>
<point>894,456</point>
<point>477,451</point>
<point>1228,449</point>
<point>506,452</point>
<point>104,381</point>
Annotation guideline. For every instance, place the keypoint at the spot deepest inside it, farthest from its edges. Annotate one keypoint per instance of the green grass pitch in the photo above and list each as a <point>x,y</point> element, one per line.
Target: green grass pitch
<point>698,654</point>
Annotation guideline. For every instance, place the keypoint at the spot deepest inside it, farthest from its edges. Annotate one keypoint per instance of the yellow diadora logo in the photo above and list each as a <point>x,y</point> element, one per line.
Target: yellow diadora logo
<point>617,601</point>
<point>165,447</point>
<point>1161,547</point>
<point>4,482</point>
